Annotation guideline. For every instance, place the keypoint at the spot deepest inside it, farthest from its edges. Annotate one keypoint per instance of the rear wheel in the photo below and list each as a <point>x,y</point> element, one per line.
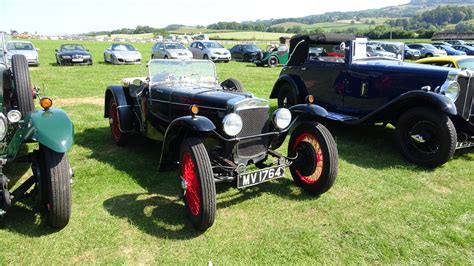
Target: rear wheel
<point>426,137</point>
<point>55,178</point>
<point>429,55</point>
<point>198,184</point>
<point>232,85</point>
<point>286,96</point>
<point>315,168</point>
<point>272,61</point>
<point>119,137</point>
<point>23,93</point>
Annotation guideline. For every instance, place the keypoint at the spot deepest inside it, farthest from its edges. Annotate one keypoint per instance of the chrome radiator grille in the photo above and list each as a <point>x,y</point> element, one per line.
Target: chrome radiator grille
<point>465,102</point>
<point>255,121</point>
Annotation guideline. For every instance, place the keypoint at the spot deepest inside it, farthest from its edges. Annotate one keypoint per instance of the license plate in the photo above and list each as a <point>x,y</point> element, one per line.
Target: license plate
<point>260,176</point>
<point>77,60</point>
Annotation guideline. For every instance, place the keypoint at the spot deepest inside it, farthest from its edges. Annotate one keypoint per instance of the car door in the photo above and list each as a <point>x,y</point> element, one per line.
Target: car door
<point>324,78</point>
<point>195,50</point>
<point>237,52</point>
<point>156,105</point>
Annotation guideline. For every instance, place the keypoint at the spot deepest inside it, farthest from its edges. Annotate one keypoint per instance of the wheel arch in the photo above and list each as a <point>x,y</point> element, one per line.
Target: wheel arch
<point>295,82</point>
<point>177,131</point>
<point>125,109</point>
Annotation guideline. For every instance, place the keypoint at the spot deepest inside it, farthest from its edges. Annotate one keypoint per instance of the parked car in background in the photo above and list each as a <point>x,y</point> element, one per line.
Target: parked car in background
<point>469,50</point>
<point>449,49</point>
<point>441,43</point>
<point>25,48</point>
<point>245,52</point>
<point>209,50</point>
<point>411,54</point>
<point>121,53</point>
<point>432,108</point>
<point>69,54</point>
<point>375,50</point>
<point>217,133</point>
<point>49,134</point>
<point>427,50</point>
<point>273,56</point>
<point>170,50</point>
<point>462,62</point>
<point>456,42</point>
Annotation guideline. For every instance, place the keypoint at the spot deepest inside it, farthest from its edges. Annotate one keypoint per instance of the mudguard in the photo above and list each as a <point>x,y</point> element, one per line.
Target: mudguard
<point>124,108</point>
<point>295,82</point>
<point>309,109</point>
<point>51,128</point>
<point>177,130</point>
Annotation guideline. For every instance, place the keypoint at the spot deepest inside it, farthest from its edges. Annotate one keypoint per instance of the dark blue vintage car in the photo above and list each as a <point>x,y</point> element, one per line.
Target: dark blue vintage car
<point>431,107</point>
<point>218,133</point>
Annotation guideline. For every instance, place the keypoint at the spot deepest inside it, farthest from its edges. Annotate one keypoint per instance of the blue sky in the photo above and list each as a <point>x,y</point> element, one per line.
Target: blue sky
<point>79,16</point>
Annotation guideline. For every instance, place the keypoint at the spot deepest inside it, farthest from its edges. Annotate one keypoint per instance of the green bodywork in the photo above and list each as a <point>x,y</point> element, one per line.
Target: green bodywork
<point>282,58</point>
<point>51,128</point>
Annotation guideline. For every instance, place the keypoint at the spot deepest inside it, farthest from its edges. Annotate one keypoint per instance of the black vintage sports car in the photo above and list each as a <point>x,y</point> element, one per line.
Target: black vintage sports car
<point>431,107</point>
<point>218,133</point>
<point>69,54</point>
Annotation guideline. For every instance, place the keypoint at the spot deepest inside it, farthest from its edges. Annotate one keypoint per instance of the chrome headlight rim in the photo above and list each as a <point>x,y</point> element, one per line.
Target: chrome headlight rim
<point>451,89</point>
<point>232,124</point>
<point>282,118</point>
<point>3,126</point>
<point>14,116</point>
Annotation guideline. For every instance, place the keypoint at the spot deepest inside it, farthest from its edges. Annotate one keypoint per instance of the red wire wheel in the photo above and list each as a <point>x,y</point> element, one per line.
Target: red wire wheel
<point>316,164</point>
<point>118,136</point>
<point>197,182</point>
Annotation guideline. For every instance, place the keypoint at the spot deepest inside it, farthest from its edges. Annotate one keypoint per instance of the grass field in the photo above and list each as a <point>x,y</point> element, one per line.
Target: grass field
<point>381,210</point>
<point>248,35</point>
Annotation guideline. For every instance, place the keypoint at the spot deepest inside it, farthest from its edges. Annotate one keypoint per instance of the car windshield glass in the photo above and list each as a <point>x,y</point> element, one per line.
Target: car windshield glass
<point>72,47</point>
<point>252,48</point>
<point>429,47</point>
<point>123,47</point>
<point>366,50</point>
<point>20,46</point>
<point>467,63</point>
<point>171,46</point>
<point>182,71</point>
<point>212,45</point>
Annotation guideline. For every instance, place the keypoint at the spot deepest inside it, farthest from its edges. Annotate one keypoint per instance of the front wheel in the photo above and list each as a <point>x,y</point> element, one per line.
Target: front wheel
<point>120,138</point>
<point>55,179</point>
<point>205,57</point>
<point>315,168</point>
<point>198,184</point>
<point>23,94</point>
<point>426,137</point>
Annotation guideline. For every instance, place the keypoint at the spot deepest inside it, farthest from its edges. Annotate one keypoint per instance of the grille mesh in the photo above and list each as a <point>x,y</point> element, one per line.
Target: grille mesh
<point>255,121</point>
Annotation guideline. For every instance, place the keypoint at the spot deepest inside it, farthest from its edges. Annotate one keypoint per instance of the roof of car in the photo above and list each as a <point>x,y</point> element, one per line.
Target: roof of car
<point>444,59</point>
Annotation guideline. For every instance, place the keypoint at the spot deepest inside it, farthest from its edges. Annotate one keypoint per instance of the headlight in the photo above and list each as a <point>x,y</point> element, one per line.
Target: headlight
<point>3,126</point>
<point>86,56</point>
<point>451,90</point>
<point>282,118</point>
<point>66,57</point>
<point>14,116</point>
<point>232,124</point>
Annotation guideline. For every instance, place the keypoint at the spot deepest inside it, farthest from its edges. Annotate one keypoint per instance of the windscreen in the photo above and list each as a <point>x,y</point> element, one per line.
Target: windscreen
<point>182,71</point>
<point>467,63</point>
<point>366,50</point>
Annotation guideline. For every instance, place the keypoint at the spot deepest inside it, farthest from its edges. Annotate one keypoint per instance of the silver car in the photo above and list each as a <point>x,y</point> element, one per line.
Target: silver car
<point>25,48</point>
<point>209,50</point>
<point>121,53</point>
<point>170,50</point>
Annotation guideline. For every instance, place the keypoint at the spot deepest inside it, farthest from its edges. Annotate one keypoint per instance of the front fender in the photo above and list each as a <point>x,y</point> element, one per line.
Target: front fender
<point>309,109</point>
<point>177,131</point>
<point>125,109</point>
<point>295,82</point>
<point>53,129</point>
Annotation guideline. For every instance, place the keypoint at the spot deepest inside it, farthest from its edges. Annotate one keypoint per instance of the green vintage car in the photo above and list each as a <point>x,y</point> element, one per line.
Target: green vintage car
<point>273,56</point>
<point>49,187</point>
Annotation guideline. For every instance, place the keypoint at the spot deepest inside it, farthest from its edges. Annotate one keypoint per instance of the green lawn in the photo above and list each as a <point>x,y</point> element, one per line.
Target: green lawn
<point>381,210</point>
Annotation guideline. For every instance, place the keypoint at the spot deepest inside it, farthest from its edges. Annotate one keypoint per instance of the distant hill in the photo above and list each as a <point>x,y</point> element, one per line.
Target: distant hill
<point>441,2</point>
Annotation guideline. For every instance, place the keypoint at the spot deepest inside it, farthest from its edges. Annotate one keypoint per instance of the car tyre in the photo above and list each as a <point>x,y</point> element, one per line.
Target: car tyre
<point>272,61</point>
<point>120,138</point>
<point>426,137</point>
<point>198,183</point>
<point>429,55</point>
<point>232,85</point>
<point>316,166</point>
<point>23,94</point>
<point>55,176</point>
<point>286,96</point>
<point>165,57</point>
<point>205,57</point>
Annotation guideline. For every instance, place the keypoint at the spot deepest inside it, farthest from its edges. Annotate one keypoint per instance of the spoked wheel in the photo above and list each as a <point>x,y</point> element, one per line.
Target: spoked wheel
<point>23,93</point>
<point>426,137</point>
<point>272,61</point>
<point>232,85</point>
<point>286,96</point>
<point>119,137</point>
<point>198,184</point>
<point>315,168</point>
<point>55,186</point>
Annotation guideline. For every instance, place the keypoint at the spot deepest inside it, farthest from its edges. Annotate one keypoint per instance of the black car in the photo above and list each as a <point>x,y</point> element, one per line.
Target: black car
<point>431,107</point>
<point>218,133</point>
<point>245,52</point>
<point>69,54</point>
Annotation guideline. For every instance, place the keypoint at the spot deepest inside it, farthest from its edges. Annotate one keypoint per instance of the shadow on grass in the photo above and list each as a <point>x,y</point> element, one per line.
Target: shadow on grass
<point>23,219</point>
<point>139,159</point>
